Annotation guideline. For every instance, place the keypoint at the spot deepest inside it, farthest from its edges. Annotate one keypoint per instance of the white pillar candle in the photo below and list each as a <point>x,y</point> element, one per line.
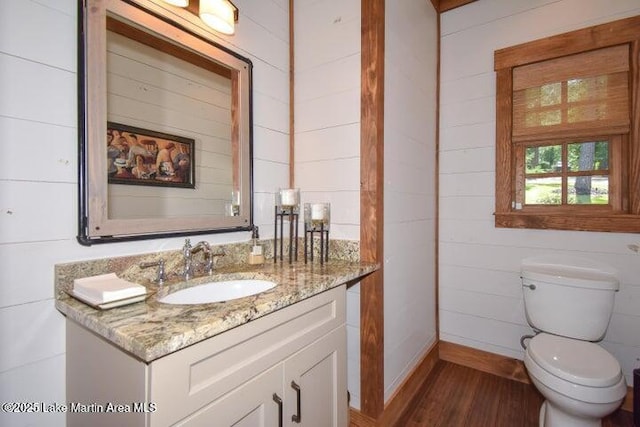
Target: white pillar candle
<point>288,197</point>
<point>317,212</point>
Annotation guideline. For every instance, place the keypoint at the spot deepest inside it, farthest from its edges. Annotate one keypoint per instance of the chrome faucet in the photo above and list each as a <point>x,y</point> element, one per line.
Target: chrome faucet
<point>188,251</point>
<point>206,250</point>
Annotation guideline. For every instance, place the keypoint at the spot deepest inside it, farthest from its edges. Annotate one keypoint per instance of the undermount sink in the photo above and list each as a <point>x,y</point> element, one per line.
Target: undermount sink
<point>218,291</point>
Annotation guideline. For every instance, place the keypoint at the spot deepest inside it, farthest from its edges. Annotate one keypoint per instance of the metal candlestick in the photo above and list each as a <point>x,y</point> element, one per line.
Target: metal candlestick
<point>287,207</point>
<point>316,220</point>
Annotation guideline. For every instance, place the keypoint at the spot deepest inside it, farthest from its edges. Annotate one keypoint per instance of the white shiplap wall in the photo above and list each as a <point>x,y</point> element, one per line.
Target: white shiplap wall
<point>38,177</point>
<point>480,295</point>
<point>327,131</point>
<point>411,58</point>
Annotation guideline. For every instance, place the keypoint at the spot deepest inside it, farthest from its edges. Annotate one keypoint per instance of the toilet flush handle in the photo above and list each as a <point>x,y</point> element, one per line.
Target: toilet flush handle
<point>532,287</point>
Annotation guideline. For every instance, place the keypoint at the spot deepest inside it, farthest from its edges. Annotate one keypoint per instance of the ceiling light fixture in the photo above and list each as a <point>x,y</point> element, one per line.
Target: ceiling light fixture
<point>221,15</point>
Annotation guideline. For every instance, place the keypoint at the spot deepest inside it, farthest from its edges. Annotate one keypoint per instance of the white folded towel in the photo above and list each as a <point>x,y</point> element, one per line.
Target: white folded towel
<point>106,288</point>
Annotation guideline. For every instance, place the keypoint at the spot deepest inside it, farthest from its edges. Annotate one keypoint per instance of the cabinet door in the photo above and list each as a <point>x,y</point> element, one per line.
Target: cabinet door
<point>316,383</point>
<point>253,404</point>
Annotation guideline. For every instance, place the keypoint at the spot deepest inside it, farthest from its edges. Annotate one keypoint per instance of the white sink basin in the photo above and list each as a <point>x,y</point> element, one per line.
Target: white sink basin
<point>218,291</point>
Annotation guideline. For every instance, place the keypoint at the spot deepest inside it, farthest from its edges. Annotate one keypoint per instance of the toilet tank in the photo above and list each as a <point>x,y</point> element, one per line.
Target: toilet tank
<point>570,299</point>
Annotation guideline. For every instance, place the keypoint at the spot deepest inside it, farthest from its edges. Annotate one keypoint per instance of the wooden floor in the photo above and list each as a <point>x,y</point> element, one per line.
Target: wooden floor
<point>459,396</point>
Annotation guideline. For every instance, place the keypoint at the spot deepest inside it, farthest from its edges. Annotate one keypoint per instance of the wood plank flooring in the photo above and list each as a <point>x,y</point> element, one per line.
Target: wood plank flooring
<point>456,396</point>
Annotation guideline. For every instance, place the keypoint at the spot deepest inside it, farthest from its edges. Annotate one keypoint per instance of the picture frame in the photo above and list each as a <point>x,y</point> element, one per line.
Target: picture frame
<point>137,156</point>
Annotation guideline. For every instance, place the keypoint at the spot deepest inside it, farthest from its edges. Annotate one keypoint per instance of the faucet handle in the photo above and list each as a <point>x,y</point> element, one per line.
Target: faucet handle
<point>161,275</point>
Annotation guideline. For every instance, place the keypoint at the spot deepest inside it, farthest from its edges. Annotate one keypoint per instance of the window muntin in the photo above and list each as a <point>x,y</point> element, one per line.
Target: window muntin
<point>566,173</point>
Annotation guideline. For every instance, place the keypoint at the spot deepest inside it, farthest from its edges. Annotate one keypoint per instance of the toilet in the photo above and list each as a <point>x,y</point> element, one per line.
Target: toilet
<point>569,302</point>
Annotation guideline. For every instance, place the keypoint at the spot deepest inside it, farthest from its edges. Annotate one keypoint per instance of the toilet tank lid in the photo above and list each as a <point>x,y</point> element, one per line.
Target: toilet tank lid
<point>567,275</point>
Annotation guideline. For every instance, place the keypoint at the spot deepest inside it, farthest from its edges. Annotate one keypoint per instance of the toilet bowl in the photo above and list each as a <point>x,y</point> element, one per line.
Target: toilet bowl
<point>581,381</point>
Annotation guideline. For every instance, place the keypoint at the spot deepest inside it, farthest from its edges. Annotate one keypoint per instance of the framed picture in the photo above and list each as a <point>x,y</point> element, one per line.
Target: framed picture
<point>144,157</point>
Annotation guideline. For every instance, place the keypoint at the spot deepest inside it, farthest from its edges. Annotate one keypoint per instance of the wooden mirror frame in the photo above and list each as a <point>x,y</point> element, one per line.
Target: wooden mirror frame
<point>95,226</point>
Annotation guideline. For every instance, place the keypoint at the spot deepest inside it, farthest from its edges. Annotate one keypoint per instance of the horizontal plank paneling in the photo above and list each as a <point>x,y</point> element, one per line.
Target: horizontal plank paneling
<point>30,332</point>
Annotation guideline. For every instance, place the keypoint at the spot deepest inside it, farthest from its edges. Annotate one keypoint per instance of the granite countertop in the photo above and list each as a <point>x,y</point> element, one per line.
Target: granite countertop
<point>149,329</point>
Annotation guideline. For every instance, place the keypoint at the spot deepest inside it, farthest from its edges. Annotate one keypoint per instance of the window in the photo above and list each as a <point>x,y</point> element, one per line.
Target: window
<point>567,125</point>
<point>564,173</point>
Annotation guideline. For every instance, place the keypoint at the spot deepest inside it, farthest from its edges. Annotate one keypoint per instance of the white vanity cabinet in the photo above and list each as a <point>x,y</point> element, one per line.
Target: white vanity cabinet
<point>233,379</point>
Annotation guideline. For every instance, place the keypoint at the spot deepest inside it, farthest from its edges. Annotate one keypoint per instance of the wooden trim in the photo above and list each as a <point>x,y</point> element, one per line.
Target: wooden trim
<point>634,134</point>
<point>499,365</point>
<point>584,222</point>
<point>604,35</point>
<point>292,180</point>
<point>484,361</point>
<point>445,5</point>
<point>405,399</point>
<point>236,150</point>
<point>504,161</point>
<point>403,402</point>
<point>167,47</point>
<point>358,419</point>
<point>371,206</point>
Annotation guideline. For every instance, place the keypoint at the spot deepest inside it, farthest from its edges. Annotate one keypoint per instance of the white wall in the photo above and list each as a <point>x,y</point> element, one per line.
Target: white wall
<point>38,178</point>
<point>327,131</point>
<point>411,58</point>
<point>480,293</point>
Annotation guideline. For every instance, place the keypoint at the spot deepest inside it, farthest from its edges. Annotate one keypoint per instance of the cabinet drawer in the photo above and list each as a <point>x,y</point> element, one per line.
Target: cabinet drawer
<point>185,381</point>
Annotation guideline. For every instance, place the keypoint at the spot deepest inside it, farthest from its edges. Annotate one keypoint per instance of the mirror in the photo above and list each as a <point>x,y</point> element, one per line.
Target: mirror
<point>165,129</point>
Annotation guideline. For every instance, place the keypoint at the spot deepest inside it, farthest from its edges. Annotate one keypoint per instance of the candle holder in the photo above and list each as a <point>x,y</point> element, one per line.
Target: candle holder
<point>287,207</point>
<point>317,219</point>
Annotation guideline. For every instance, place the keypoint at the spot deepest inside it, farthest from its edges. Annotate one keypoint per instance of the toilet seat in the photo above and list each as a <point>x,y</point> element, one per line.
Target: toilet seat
<point>579,362</point>
<point>563,360</point>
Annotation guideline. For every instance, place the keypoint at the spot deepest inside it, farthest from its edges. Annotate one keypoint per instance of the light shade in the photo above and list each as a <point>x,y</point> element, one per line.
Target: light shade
<point>220,15</point>
<point>179,3</point>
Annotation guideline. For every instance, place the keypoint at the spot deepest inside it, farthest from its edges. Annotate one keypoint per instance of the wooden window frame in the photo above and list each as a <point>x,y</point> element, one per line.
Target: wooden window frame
<point>624,213</point>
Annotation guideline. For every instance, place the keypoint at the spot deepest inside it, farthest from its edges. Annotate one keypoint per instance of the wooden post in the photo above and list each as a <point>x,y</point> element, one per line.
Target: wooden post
<point>371,207</point>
